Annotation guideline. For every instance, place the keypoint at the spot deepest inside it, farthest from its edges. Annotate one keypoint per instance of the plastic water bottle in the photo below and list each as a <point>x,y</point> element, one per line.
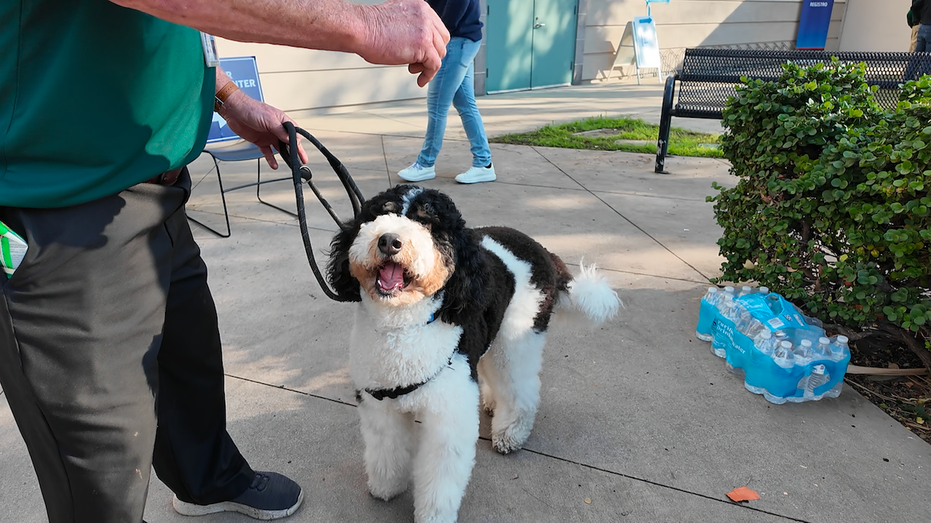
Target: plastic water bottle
<point>765,342</point>
<point>803,353</point>
<point>803,356</point>
<point>711,297</point>
<point>823,349</point>
<point>744,321</point>
<point>752,327</point>
<point>737,314</point>
<point>780,336</point>
<point>784,358</point>
<point>728,309</point>
<point>764,290</point>
<point>839,351</point>
<point>818,377</point>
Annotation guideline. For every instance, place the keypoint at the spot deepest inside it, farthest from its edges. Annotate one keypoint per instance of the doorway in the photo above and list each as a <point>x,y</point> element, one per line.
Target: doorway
<point>529,44</point>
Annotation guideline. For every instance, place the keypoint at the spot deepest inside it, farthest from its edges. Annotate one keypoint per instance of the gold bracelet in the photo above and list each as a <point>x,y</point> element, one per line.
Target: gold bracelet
<point>223,94</point>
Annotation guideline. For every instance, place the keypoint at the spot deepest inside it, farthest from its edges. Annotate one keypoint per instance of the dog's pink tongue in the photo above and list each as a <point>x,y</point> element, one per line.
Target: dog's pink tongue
<point>391,276</point>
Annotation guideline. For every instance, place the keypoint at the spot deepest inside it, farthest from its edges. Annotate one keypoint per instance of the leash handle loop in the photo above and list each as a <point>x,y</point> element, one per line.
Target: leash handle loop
<point>301,173</point>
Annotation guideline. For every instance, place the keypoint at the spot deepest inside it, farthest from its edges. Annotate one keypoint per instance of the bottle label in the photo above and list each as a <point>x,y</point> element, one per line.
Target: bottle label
<point>706,315</point>
<point>773,311</point>
<point>12,250</point>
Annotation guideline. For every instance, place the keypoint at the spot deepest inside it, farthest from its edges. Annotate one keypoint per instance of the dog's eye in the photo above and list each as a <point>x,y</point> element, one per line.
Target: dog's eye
<point>425,211</point>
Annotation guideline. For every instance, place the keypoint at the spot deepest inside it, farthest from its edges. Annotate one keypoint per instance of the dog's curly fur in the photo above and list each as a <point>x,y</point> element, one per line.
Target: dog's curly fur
<point>446,312</point>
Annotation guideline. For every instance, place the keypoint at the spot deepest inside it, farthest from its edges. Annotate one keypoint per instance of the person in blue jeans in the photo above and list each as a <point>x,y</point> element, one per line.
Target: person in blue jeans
<point>921,15</point>
<point>454,85</point>
<point>921,12</point>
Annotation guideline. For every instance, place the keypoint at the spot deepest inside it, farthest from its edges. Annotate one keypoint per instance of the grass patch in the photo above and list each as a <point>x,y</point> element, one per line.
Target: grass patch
<point>612,136</point>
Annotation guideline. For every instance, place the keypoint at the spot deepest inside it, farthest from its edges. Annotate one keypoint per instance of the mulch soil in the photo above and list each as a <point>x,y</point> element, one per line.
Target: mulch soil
<point>907,398</point>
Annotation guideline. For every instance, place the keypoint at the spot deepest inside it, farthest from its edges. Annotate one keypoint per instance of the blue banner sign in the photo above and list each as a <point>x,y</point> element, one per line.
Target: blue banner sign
<point>813,24</point>
<point>244,72</point>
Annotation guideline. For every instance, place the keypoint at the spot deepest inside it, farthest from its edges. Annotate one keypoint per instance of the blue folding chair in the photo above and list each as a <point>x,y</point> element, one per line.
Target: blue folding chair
<point>244,71</point>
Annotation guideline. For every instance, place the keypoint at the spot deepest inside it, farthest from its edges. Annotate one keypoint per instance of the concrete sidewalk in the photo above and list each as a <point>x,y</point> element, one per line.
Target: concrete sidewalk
<point>638,420</point>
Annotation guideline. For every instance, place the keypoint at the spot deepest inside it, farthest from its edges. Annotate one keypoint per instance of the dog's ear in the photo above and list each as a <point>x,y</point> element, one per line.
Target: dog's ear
<point>464,293</point>
<point>342,281</point>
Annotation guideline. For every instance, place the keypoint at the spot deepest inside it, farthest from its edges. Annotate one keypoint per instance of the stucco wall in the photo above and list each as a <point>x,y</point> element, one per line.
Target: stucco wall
<point>872,25</point>
<point>750,24</point>
<point>295,79</point>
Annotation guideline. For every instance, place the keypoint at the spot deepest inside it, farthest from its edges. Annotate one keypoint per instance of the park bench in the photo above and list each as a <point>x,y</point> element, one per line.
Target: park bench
<point>708,78</point>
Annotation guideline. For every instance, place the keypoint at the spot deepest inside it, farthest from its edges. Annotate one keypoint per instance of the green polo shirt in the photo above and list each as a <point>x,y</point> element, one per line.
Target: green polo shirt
<point>95,98</point>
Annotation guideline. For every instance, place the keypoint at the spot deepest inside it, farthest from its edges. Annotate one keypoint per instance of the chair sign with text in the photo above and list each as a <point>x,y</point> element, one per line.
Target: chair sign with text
<point>245,73</point>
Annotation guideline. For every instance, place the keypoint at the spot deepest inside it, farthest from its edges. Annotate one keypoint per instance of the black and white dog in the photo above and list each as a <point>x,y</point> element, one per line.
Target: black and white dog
<point>447,311</point>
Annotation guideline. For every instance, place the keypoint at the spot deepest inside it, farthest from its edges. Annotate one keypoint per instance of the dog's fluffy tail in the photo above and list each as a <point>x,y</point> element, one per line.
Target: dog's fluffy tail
<point>589,297</point>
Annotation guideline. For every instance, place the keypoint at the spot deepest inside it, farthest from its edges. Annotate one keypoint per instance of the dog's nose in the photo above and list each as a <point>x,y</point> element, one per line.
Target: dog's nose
<point>389,244</point>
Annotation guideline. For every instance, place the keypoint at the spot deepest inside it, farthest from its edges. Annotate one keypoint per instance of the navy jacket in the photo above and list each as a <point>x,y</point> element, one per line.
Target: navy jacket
<point>921,12</point>
<point>461,17</point>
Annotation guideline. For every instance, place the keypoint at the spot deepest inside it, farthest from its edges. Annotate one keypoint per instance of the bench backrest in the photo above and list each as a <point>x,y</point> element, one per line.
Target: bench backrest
<point>708,76</point>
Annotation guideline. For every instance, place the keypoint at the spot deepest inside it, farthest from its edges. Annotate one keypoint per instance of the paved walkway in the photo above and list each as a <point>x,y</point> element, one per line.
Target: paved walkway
<point>638,421</point>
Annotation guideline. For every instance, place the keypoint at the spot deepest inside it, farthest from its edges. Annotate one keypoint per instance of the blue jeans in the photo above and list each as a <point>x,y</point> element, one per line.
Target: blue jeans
<point>453,84</point>
<point>916,68</point>
<point>924,38</point>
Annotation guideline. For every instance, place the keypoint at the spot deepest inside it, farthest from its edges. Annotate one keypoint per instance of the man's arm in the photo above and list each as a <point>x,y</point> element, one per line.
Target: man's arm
<point>395,32</point>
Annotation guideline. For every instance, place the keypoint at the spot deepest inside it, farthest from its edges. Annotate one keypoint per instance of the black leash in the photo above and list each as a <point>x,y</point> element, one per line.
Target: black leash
<point>301,173</point>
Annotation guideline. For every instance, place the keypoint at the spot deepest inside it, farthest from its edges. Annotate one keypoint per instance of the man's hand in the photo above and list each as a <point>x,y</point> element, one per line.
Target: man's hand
<point>259,123</point>
<point>405,32</point>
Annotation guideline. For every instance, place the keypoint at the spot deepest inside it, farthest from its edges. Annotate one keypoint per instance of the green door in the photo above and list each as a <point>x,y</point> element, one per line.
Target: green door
<point>553,42</point>
<point>508,44</point>
<point>529,43</point>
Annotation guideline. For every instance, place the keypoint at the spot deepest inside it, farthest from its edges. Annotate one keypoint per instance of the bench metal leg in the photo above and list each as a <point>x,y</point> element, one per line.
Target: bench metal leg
<point>665,125</point>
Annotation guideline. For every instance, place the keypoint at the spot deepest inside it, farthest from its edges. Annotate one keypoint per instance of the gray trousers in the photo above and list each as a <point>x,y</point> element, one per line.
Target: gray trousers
<point>109,348</point>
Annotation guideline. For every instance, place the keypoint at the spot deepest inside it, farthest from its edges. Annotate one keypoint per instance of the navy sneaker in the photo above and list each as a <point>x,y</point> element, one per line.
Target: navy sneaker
<point>271,496</point>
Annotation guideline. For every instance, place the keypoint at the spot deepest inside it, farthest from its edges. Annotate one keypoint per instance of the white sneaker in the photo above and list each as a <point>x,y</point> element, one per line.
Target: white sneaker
<point>477,175</point>
<point>417,173</point>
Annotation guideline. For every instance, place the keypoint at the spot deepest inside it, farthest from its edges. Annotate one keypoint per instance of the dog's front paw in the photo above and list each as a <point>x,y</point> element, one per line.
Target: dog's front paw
<point>386,492</point>
<point>504,443</point>
<point>512,437</point>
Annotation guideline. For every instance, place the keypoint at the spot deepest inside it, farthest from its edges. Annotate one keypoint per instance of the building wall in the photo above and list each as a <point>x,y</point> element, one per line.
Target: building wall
<point>746,24</point>
<point>876,26</point>
<point>295,79</point>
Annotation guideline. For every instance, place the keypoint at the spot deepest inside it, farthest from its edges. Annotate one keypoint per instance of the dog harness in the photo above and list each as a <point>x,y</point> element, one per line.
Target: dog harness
<point>397,392</point>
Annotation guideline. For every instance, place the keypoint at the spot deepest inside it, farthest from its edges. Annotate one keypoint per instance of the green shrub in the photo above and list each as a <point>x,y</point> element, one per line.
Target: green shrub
<point>831,209</point>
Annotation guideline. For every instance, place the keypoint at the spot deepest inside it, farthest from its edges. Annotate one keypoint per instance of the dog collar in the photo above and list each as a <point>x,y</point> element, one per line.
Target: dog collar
<point>397,392</point>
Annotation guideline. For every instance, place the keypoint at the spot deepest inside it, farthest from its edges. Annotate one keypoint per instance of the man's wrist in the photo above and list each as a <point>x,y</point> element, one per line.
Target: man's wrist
<point>359,25</point>
<point>223,95</point>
